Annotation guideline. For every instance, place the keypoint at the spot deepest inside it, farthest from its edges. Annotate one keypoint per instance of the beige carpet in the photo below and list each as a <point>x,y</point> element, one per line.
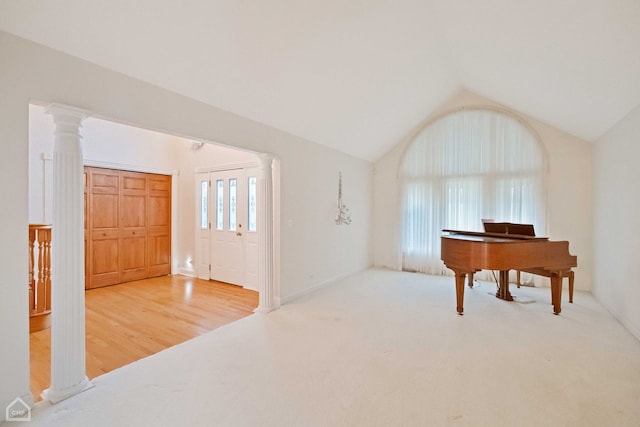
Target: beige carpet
<point>382,348</point>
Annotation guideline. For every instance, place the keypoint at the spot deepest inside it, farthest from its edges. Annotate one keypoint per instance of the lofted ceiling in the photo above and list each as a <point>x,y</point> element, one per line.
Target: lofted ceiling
<point>358,75</point>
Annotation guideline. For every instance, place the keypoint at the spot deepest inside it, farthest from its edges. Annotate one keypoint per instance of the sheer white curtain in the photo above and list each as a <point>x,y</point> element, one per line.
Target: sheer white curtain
<point>467,166</point>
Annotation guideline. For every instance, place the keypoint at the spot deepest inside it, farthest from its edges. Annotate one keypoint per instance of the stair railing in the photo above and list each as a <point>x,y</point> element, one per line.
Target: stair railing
<point>39,269</point>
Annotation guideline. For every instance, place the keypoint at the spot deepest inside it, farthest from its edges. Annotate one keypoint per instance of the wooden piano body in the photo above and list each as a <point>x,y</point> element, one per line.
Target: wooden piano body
<point>466,252</point>
<point>522,230</point>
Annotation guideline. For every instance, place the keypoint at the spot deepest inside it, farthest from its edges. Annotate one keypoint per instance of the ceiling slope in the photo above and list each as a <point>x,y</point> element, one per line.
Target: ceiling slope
<point>572,64</point>
<point>359,75</point>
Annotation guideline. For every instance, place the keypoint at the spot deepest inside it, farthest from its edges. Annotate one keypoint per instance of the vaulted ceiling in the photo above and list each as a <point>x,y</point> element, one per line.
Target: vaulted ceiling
<point>358,75</point>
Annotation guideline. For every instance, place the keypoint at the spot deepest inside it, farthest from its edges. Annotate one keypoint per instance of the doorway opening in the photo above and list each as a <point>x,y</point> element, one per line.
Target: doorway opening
<point>116,146</point>
<point>228,235</point>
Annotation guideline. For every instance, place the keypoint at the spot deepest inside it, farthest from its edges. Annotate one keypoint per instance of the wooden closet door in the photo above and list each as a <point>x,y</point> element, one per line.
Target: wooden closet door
<point>159,215</point>
<point>133,226</point>
<point>128,226</point>
<point>86,229</point>
<point>103,205</point>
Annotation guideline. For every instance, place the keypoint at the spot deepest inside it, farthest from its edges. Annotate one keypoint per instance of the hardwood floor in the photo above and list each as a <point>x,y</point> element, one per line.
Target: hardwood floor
<point>129,321</point>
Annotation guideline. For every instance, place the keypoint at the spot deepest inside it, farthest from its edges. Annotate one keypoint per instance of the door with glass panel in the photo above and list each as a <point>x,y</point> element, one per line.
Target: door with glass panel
<point>227,227</point>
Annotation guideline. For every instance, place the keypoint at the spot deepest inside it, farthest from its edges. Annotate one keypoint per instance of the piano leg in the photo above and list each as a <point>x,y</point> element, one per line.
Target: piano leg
<point>571,279</point>
<point>470,279</point>
<point>503,292</point>
<point>556,292</point>
<point>460,277</point>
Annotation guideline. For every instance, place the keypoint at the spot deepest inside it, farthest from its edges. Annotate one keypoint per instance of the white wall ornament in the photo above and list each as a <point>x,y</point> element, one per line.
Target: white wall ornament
<point>343,217</point>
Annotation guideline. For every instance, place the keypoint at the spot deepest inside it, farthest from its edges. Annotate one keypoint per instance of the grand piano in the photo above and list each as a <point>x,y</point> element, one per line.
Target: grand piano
<point>466,252</point>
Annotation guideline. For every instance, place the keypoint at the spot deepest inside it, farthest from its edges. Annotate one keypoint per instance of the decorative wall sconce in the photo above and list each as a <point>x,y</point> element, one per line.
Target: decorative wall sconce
<point>344,217</point>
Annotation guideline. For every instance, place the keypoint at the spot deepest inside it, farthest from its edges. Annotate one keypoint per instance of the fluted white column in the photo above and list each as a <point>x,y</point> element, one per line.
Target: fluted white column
<point>266,300</point>
<point>67,258</point>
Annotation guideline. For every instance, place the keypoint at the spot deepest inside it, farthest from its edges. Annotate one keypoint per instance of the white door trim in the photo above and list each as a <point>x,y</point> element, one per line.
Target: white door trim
<point>268,167</point>
<point>226,167</point>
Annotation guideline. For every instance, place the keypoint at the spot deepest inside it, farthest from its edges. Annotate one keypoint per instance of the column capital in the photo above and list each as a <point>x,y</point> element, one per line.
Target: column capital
<point>62,111</point>
<point>265,160</point>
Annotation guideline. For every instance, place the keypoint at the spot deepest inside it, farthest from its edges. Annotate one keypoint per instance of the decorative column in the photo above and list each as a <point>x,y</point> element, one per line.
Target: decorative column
<point>266,299</point>
<point>67,258</point>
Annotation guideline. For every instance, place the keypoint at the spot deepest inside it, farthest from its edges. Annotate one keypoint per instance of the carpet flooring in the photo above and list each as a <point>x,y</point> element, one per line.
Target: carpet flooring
<point>382,348</point>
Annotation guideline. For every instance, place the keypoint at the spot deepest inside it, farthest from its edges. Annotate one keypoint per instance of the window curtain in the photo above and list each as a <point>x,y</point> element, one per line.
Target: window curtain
<point>467,166</point>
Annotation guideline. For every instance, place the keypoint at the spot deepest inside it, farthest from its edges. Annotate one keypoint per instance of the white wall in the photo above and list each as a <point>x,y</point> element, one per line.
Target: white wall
<point>569,192</point>
<point>313,249</point>
<point>309,207</point>
<point>617,221</point>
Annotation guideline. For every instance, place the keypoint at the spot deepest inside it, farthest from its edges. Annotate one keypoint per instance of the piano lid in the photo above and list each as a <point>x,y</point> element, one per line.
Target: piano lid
<point>479,235</point>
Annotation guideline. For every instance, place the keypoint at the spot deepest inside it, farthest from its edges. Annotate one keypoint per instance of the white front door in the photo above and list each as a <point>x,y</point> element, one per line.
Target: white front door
<point>227,230</point>
<point>227,235</point>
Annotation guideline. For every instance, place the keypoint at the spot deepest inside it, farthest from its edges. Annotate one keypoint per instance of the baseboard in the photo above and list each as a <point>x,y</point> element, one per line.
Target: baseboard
<point>289,298</point>
<point>187,272</point>
<point>633,329</point>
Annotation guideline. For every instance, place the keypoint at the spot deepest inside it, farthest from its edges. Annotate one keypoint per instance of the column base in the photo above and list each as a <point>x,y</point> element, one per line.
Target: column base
<point>55,396</point>
<point>265,309</point>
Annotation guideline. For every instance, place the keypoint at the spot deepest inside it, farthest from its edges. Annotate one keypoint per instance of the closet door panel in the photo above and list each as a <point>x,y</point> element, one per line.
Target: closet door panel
<point>159,202</point>
<point>133,260</point>
<point>103,202</point>
<point>86,229</point>
<point>104,260</point>
<point>133,226</point>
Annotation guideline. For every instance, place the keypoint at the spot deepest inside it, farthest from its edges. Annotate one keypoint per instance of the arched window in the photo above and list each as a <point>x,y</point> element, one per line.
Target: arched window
<point>464,167</point>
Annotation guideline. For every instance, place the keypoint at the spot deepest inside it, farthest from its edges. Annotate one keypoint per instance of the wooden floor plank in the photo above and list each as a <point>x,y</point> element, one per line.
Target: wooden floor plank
<point>129,321</point>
